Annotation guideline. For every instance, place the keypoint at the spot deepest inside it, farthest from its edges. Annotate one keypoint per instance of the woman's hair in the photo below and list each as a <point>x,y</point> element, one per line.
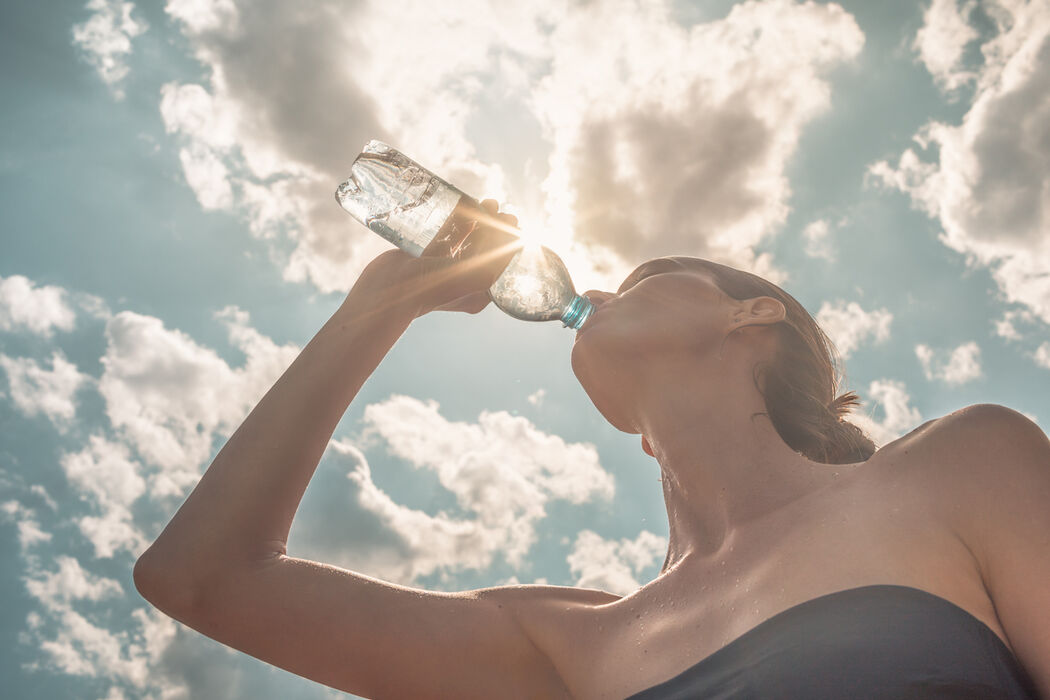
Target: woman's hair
<point>802,380</point>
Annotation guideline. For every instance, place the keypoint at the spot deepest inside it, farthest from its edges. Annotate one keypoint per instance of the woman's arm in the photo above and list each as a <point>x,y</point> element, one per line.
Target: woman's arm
<point>993,476</point>
<point>220,564</point>
<point>240,512</point>
<point>1011,532</point>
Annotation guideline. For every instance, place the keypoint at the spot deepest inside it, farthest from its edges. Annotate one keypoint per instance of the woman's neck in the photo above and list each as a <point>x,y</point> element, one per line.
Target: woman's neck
<point>723,464</point>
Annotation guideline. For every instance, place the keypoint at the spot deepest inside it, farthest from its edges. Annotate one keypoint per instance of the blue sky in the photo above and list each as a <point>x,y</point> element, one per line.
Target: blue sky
<point>171,241</point>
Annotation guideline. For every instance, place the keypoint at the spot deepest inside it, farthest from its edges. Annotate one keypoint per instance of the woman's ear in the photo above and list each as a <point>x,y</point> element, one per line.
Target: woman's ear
<point>646,447</point>
<point>759,311</point>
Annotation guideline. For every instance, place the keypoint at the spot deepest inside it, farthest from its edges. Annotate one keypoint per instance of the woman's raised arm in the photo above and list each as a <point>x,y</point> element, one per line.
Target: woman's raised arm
<point>220,565</point>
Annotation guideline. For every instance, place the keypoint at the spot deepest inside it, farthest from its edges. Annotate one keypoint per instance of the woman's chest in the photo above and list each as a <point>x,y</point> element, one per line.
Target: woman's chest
<point>690,613</point>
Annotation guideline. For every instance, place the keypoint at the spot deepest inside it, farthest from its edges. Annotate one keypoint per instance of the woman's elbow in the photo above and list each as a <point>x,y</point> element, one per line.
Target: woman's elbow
<point>162,585</point>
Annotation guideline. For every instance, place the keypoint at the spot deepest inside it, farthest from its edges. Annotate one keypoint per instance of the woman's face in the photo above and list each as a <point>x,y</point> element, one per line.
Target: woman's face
<point>668,313</point>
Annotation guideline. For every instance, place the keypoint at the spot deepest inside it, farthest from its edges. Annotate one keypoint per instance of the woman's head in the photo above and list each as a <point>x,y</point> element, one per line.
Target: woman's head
<point>798,376</point>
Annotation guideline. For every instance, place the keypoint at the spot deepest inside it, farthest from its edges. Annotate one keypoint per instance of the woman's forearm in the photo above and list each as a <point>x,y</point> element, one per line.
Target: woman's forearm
<point>242,508</point>
<point>239,514</point>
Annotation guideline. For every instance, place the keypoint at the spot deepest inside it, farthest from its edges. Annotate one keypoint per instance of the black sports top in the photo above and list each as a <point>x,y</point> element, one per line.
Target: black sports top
<point>884,641</point>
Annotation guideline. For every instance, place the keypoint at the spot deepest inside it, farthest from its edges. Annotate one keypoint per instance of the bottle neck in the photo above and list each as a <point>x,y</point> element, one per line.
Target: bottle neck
<point>578,310</point>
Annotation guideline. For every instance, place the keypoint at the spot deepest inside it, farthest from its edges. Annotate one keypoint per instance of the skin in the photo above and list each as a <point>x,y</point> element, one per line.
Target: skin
<point>670,358</point>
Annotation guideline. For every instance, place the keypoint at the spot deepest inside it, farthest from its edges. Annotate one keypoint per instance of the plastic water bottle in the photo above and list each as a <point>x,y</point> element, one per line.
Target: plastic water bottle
<point>409,206</point>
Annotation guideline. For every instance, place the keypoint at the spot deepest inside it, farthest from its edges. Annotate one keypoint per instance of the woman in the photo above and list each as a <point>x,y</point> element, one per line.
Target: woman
<point>801,561</point>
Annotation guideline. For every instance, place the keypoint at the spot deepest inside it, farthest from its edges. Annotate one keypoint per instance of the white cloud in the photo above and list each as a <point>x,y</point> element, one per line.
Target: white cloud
<point>613,565</point>
<point>942,40</point>
<point>36,390</point>
<point>39,310</point>
<point>170,397</point>
<point>207,177</point>
<point>70,582</point>
<point>115,693</point>
<point>502,469</point>
<point>987,180</point>
<point>511,447</point>
<point>848,325</point>
<point>676,140</point>
<point>24,518</point>
<point>105,39</point>
<point>818,245</point>
<point>77,627</point>
<point>104,475</point>
<point>1042,355</point>
<point>41,493</point>
<point>962,365</point>
<point>201,16</point>
<point>71,642</point>
<point>898,416</point>
<point>1006,327</point>
<point>665,139</point>
<point>536,398</point>
<point>80,647</point>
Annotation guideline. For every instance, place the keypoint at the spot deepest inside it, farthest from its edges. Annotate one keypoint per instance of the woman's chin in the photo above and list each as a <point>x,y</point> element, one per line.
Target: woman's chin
<point>597,386</point>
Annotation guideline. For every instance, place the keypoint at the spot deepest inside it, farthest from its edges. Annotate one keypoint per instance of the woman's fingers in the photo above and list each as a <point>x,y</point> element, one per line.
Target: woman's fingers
<point>471,304</point>
<point>466,257</point>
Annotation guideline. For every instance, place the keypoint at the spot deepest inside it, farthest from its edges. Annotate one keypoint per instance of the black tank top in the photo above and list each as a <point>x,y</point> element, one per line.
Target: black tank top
<point>884,641</point>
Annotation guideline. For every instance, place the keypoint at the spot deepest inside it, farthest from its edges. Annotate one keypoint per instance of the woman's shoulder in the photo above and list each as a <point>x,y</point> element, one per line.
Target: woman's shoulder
<point>980,430</point>
<point>557,619</point>
<point>970,461</point>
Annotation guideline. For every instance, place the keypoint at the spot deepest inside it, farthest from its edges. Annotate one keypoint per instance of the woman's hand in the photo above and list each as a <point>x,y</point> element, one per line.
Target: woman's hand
<point>455,271</point>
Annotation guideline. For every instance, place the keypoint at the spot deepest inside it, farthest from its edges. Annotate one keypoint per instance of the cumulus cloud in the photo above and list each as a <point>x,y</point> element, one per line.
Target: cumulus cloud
<point>106,477</point>
<point>1042,355</point>
<point>669,139</point>
<point>511,448</point>
<point>75,644</point>
<point>24,518</point>
<point>986,180</point>
<point>662,138</point>
<point>501,470</point>
<point>613,565</point>
<point>818,244</point>
<point>36,390</point>
<point>70,582</point>
<point>1006,327</point>
<point>961,365</point>
<point>105,39</point>
<point>942,40</point>
<point>891,399</point>
<point>39,310</point>
<point>207,177</point>
<point>170,397</point>
<point>848,325</point>
<point>536,398</point>
<point>77,625</point>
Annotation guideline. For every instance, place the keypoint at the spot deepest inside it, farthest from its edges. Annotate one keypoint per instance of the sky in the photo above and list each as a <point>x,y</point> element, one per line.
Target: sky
<point>171,241</point>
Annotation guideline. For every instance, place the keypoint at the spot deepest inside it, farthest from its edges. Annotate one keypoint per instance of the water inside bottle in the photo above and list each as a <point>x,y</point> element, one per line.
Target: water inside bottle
<point>396,197</point>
